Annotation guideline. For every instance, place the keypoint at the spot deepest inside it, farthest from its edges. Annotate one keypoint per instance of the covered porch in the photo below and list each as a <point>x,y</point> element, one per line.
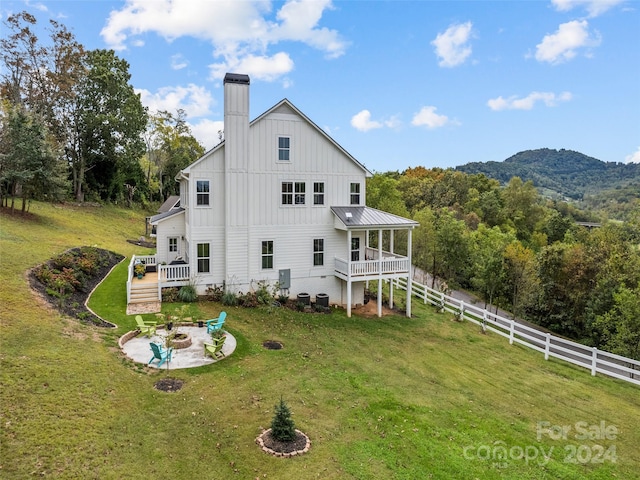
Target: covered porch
<point>378,264</point>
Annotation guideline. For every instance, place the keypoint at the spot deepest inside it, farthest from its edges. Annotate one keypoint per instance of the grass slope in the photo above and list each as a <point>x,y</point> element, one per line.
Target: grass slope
<point>389,398</point>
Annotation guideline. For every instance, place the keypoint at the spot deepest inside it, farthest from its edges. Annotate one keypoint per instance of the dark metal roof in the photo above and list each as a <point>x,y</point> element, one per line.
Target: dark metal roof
<point>170,203</point>
<point>162,216</point>
<point>236,78</point>
<point>366,217</point>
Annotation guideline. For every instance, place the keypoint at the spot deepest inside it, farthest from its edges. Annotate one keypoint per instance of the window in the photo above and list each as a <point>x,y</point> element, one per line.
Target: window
<point>300,189</point>
<point>267,254</point>
<point>318,193</point>
<point>202,192</point>
<point>318,251</point>
<point>355,249</point>
<point>283,149</point>
<point>203,258</point>
<point>173,244</point>
<point>287,193</point>
<point>355,194</point>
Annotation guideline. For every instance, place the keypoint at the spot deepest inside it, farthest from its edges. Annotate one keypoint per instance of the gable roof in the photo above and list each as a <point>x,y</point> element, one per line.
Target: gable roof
<point>170,203</point>
<point>287,104</point>
<point>165,215</point>
<point>360,217</point>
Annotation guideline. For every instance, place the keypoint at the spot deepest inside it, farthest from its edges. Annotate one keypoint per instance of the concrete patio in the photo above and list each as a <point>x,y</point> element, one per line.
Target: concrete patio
<point>136,347</point>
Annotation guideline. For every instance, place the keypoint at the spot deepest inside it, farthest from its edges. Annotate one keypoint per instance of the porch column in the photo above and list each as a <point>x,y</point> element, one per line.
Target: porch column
<point>409,277</point>
<point>391,232</point>
<point>349,273</point>
<point>379,273</point>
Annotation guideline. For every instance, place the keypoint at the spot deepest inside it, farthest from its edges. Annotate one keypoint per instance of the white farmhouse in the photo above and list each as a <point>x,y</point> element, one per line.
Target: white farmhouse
<point>278,201</point>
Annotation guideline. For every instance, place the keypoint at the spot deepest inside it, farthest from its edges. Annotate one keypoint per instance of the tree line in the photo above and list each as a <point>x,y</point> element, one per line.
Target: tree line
<point>72,125</point>
<point>522,252</point>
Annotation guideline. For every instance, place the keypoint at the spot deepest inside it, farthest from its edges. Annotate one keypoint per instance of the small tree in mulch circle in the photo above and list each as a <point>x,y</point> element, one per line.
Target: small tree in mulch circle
<point>282,426</point>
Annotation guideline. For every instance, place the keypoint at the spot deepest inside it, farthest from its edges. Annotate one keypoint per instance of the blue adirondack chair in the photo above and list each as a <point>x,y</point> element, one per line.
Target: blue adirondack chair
<point>216,323</point>
<point>159,353</point>
<point>215,349</point>
<point>147,328</point>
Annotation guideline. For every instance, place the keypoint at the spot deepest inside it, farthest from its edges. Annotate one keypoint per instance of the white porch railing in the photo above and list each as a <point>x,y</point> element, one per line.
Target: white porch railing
<point>173,273</point>
<point>168,275</point>
<point>390,264</point>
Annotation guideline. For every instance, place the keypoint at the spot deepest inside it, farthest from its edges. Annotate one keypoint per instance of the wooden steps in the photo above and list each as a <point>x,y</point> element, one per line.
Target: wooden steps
<point>144,293</point>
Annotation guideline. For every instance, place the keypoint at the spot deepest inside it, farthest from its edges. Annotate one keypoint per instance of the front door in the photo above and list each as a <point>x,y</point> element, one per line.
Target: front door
<point>174,249</point>
<point>355,249</point>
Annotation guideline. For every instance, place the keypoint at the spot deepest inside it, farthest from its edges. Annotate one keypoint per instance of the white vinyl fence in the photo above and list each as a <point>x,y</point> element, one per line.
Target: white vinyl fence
<point>598,361</point>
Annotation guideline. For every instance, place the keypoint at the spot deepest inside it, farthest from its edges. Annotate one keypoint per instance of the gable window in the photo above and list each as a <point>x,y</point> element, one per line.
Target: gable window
<point>267,254</point>
<point>355,249</point>
<point>300,193</point>
<point>284,149</point>
<point>202,192</point>
<point>318,252</point>
<point>204,260</point>
<point>355,194</point>
<point>318,193</point>
<point>287,193</point>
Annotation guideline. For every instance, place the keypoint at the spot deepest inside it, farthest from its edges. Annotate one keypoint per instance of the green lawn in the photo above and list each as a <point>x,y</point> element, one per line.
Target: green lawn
<point>392,398</point>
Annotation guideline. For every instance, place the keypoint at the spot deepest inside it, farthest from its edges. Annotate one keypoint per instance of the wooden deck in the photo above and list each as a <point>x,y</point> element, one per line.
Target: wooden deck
<point>149,278</point>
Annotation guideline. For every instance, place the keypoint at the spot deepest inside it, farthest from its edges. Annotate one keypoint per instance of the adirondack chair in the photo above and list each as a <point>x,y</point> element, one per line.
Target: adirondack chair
<point>159,353</point>
<point>147,328</point>
<point>215,349</point>
<point>216,323</point>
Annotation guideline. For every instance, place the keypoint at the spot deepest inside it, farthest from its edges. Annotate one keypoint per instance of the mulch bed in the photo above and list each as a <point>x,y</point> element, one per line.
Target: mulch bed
<point>142,243</point>
<point>169,384</point>
<point>272,345</point>
<point>74,304</point>
<point>298,446</point>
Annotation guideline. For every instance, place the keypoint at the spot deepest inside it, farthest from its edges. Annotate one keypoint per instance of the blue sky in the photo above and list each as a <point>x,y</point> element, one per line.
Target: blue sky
<point>396,83</point>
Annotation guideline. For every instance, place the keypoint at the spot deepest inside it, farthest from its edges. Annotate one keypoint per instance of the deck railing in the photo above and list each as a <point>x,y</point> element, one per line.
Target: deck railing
<point>168,275</point>
<point>390,264</point>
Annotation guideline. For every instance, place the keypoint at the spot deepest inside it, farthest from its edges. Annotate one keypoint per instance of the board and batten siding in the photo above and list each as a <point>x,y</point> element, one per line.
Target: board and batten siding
<point>173,226</point>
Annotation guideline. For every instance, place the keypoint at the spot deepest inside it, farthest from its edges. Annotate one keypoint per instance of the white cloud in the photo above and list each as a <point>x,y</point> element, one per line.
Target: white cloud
<point>299,21</point>
<point>257,67</point>
<point>452,46</point>
<point>239,31</point>
<point>564,43</point>
<point>362,121</point>
<point>194,100</point>
<point>634,157</point>
<point>178,62</point>
<point>206,132</point>
<point>593,7</point>
<point>527,103</point>
<point>428,117</point>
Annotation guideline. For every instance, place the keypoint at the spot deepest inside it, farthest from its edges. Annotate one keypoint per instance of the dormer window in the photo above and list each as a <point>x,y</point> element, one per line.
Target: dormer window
<point>284,149</point>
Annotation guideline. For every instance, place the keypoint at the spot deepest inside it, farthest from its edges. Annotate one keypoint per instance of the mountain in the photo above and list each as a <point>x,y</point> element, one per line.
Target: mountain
<point>565,174</point>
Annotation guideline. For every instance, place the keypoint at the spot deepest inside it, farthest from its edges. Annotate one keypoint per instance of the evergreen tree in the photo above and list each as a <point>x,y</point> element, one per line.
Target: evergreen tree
<point>282,426</point>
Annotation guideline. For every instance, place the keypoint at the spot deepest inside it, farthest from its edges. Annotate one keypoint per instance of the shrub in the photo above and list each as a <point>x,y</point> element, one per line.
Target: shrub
<point>188,294</point>
<point>249,300</point>
<point>215,293</point>
<point>283,299</point>
<point>282,426</point>
<point>230,299</point>
<point>263,294</point>
<point>170,294</point>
